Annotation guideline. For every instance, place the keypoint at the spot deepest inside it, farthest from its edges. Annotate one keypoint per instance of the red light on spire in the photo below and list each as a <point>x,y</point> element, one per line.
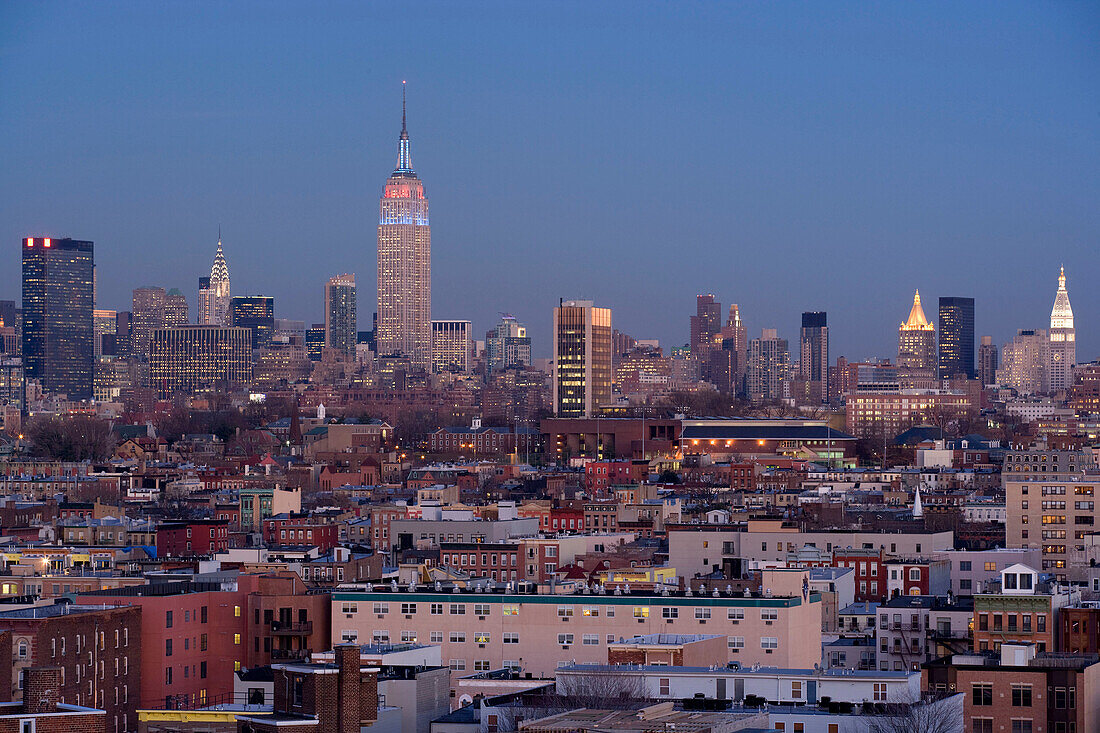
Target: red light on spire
<point>46,242</point>
<point>30,241</point>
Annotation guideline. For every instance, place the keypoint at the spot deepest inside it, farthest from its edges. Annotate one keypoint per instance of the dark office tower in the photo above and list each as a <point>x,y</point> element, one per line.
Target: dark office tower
<point>124,321</point>
<point>705,325</point>
<point>957,338</point>
<point>176,312</point>
<point>58,341</point>
<point>341,317</point>
<point>813,364</point>
<point>987,361</point>
<point>7,312</point>
<point>315,341</point>
<point>257,314</point>
<point>148,316</point>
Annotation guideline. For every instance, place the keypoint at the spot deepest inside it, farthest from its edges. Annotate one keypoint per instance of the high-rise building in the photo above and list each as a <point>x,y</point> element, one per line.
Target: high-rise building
<point>187,359</point>
<point>105,329</point>
<point>176,312</point>
<point>257,314</point>
<point>341,316</point>
<point>315,341</point>
<point>404,262</point>
<point>148,315</point>
<point>507,345</point>
<point>987,361</point>
<point>1063,340</point>
<point>290,331</point>
<point>769,366</point>
<point>957,338</point>
<point>813,363</point>
<point>123,333</point>
<point>1024,362</point>
<point>705,325</point>
<point>917,345</point>
<point>735,337</point>
<point>582,358</point>
<point>58,299</point>
<point>450,347</point>
<point>214,291</point>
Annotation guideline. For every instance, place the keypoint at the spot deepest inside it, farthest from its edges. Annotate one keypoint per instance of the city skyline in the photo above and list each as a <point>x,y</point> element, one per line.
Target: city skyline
<point>1002,217</point>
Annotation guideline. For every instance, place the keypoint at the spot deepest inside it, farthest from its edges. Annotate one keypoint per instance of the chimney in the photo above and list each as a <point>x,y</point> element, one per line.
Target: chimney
<point>347,695</point>
<point>41,689</point>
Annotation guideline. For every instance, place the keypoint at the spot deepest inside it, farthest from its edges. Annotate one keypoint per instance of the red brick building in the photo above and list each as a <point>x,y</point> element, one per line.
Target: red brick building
<point>497,561</point>
<point>42,710</point>
<point>295,529</point>
<point>97,652</point>
<point>196,537</point>
<point>870,571</point>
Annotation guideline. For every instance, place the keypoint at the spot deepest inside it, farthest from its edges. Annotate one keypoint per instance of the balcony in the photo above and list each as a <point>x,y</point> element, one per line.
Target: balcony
<point>286,628</point>
<point>289,654</point>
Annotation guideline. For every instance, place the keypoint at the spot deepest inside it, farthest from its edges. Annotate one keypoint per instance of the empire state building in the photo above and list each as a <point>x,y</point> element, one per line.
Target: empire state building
<point>404,262</point>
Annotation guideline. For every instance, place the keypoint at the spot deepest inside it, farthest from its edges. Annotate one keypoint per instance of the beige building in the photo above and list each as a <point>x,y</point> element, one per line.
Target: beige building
<point>450,347</point>
<point>1050,502</point>
<point>916,345</point>
<point>871,415</point>
<point>1024,362</point>
<point>539,632</point>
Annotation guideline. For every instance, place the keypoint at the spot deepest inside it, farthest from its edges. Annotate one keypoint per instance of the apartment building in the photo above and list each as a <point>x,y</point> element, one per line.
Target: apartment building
<point>538,632</point>
<point>702,548</point>
<point>913,630</point>
<point>1025,610</point>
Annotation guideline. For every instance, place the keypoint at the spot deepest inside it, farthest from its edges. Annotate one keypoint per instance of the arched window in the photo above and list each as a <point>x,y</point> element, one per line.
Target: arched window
<point>22,649</point>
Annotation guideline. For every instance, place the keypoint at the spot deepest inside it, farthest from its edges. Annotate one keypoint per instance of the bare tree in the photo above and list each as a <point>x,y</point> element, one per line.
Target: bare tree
<point>599,689</point>
<point>933,715</point>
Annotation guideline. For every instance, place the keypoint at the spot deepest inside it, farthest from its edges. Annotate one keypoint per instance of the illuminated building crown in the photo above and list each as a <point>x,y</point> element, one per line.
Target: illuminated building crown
<point>917,321</point>
<point>1061,316</point>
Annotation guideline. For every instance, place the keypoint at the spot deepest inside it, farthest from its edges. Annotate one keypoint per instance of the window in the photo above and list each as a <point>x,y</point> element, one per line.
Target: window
<point>735,614</point>
<point>735,642</point>
<point>436,609</point>
<point>981,725</point>
<point>702,612</point>
<point>664,685</point>
<point>457,637</point>
<point>769,614</point>
<point>991,567</point>
<point>481,609</point>
<point>964,566</point>
<point>590,639</point>
<point>982,694</point>
<point>769,642</point>
<point>565,611</point>
<point>408,609</point>
<point>671,612</point>
<point>381,608</point>
<point>236,638</point>
<point>167,619</point>
<point>565,639</point>
<point>511,637</point>
<point>879,692</point>
<point>436,637</point>
<point>167,647</point>
<point>641,612</point>
<point>481,637</point>
<point>511,610</point>
<point>1021,696</point>
<point>914,574</point>
<point>1024,726</point>
<point>237,611</point>
<point>458,609</point>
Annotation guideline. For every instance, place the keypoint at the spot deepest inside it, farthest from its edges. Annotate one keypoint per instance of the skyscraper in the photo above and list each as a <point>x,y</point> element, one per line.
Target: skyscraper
<point>450,347</point>
<point>186,359</point>
<point>214,291</point>
<point>813,363</point>
<point>769,366</point>
<point>58,299</point>
<point>1063,339</point>
<point>176,312</point>
<point>987,361</point>
<point>341,316</point>
<point>917,344</point>
<point>257,314</point>
<point>735,337</point>
<point>582,358</point>
<point>1025,361</point>
<point>957,338</point>
<point>507,344</point>
<point>147,315</point>
<point>705,325</point>
<point>404,262</point>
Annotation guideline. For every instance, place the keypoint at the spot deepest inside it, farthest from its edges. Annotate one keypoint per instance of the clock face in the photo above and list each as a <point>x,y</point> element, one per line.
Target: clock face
<point>1057,357</point>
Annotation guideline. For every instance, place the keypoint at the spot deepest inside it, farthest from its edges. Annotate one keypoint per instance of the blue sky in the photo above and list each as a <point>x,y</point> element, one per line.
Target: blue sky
<point>785,156</point>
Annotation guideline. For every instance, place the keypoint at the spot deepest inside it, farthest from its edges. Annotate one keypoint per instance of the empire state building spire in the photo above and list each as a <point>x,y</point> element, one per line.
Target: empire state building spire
<point>404,160</point>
